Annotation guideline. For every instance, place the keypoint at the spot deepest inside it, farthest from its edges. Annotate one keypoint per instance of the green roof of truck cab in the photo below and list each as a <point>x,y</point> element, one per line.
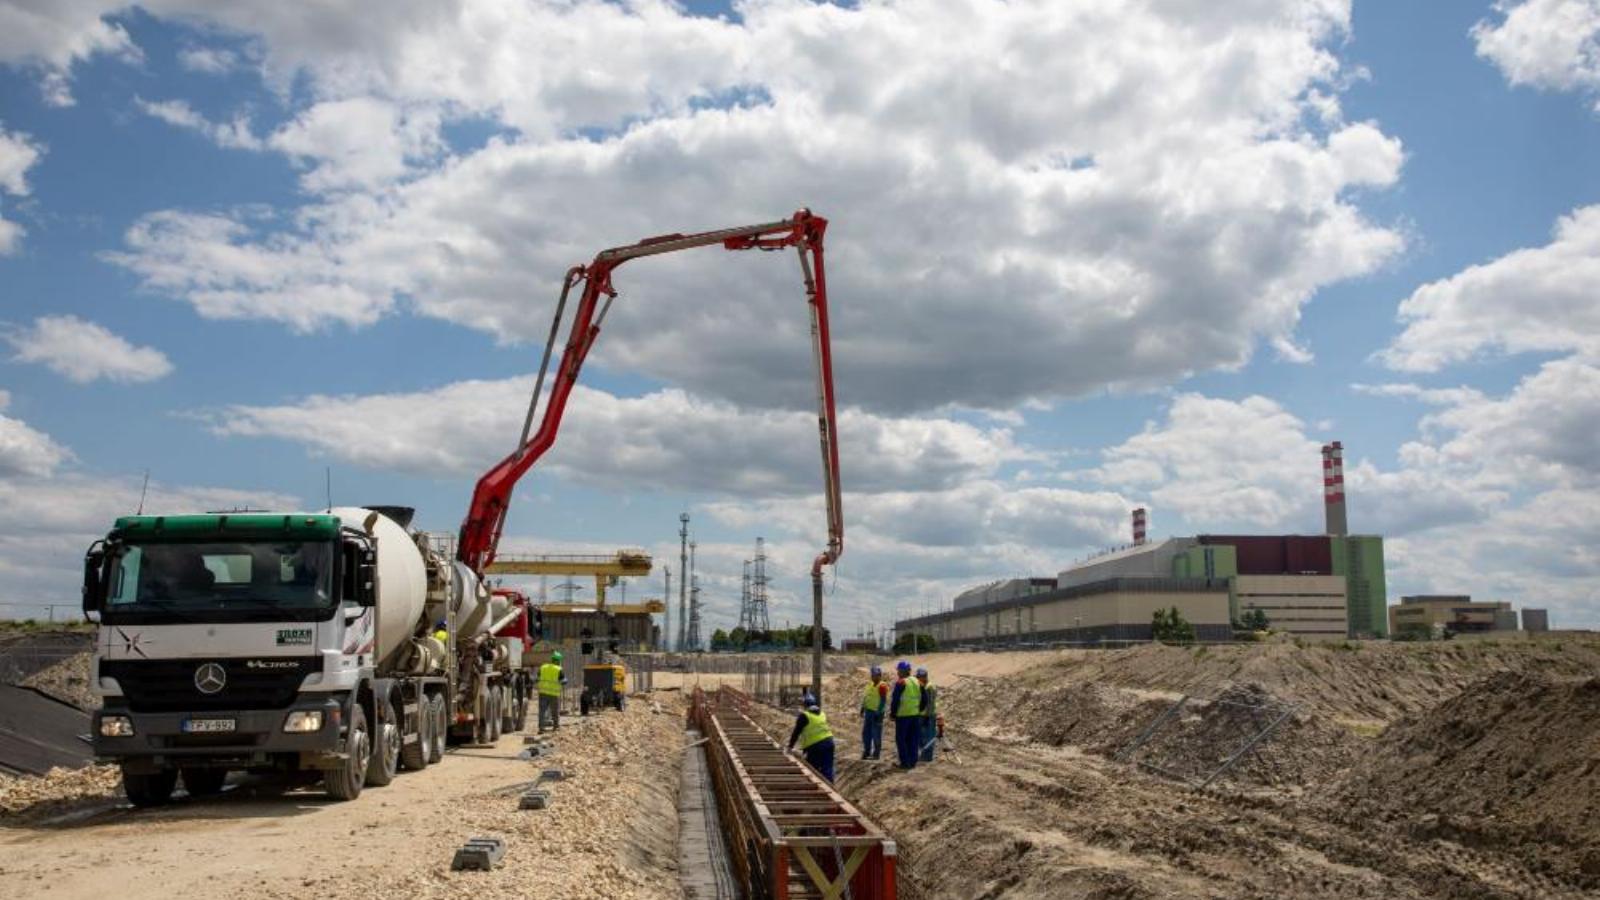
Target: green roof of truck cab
<point>301,526</point>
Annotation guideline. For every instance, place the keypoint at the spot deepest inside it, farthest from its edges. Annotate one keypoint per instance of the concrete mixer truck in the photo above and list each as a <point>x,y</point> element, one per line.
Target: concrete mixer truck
<point>335,645</point>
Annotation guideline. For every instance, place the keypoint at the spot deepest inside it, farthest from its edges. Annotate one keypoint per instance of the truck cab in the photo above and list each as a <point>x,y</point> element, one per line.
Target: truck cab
<point>235,642</point>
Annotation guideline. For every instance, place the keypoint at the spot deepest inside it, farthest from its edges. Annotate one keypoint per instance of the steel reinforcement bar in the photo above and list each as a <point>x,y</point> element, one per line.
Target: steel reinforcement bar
<point>789,833</point>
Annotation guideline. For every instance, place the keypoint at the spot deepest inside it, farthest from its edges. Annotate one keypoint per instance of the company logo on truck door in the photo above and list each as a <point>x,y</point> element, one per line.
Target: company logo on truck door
<point>290,636</point>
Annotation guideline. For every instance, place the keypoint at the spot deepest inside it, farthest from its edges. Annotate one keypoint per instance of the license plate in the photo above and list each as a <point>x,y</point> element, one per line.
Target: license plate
<point>208,726</point>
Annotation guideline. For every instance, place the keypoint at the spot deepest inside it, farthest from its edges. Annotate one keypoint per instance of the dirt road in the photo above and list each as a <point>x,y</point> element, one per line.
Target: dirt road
<point>610,833</point>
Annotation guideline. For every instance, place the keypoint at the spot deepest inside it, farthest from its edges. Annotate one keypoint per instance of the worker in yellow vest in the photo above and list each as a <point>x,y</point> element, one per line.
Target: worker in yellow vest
<point>874,702</point>
<point>814,736</point>
<point>551,678</point>
<point>905,708</point>
<point>441,632</point>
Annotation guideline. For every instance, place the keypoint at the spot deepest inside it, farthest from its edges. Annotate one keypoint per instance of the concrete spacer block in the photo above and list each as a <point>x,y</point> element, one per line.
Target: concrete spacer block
<point>479,853</point>
<point>534,800</point>
<point>552,775</point>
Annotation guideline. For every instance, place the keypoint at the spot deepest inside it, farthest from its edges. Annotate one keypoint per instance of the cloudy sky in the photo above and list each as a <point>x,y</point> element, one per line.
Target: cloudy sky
<point>1084,256</point>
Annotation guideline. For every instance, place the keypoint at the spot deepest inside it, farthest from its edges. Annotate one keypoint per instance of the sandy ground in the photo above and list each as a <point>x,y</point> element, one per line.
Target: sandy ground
<point>1034,803</point>
<point>611,831</point>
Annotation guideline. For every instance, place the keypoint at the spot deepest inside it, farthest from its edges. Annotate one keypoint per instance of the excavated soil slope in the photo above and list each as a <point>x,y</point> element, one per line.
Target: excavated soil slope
<point>1033,804</point>
<point>1512,762</point>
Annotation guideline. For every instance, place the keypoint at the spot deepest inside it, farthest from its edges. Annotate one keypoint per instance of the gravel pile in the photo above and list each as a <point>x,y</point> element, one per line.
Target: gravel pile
<point>31,797</point>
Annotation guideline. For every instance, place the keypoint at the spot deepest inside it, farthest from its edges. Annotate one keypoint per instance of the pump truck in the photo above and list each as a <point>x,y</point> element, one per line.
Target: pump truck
<point>342,645</point>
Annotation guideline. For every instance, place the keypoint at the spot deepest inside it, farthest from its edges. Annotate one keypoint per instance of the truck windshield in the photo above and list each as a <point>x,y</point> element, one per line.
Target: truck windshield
<point>220,581</point>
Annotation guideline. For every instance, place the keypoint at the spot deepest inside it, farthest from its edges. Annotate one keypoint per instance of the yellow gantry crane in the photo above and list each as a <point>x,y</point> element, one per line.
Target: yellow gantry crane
<point>606,570</point>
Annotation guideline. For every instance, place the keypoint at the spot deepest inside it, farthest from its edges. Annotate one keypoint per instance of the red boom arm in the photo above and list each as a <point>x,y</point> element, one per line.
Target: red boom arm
<point>480,532</point>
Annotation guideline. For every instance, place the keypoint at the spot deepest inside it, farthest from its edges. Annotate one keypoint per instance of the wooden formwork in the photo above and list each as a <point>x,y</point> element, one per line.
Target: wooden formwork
<point>789,833</point>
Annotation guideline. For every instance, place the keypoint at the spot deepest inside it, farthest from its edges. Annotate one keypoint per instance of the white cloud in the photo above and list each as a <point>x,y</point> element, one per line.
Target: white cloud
<point>210,60</point>
<point>234,134</point>
<point>18,154</point>
<point>84,351</point>
<point>668,439</point>
<point>25,451</point>
<point>1533,299</point>
<point>1154,204</point>
<point>51,35</point>
<point>1545,43</point>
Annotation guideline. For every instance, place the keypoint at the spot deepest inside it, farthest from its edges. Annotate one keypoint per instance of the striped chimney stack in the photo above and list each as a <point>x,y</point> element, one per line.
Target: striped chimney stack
<point>1138,526</point>
<point>1333,488</point>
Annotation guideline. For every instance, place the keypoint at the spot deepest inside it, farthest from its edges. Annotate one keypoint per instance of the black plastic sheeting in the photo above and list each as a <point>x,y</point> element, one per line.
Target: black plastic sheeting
<point>38,733</point>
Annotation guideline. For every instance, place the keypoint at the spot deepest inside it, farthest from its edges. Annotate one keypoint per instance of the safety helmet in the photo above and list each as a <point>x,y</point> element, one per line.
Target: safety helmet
<point>556,656</point>
<point>902,666</point>
<point>441,624</point>
<point>876,670</point>
<point>808,701</point>
<point>921,672</point>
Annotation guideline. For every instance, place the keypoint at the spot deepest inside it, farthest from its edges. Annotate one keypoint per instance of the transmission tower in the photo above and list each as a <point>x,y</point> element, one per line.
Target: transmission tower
<point>666,595</point>
<point>758,590</point>
<point>683,576</point>
<point>694,612</point>
<point>744,599</point>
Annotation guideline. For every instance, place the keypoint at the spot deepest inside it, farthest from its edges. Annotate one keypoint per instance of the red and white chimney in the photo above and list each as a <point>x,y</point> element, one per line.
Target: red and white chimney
<point>1138,526</point>
<point>1333,488</point>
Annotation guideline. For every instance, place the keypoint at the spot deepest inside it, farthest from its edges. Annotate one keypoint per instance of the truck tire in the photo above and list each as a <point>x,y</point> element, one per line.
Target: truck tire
<point>146,789</point>
<point>414,756</point>
<point>492,717</point>
<point>508,718</point>
<point>385,751</point>
<point>204,782</point>
<point>345,782</point>
<point>441,728</point>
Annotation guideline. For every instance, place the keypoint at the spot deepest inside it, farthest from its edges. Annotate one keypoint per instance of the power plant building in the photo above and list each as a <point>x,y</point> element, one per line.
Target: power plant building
<point>1319,587</point>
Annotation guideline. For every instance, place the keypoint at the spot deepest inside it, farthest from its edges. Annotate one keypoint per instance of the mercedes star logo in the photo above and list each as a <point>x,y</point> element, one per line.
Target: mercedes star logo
<point>209,678</point>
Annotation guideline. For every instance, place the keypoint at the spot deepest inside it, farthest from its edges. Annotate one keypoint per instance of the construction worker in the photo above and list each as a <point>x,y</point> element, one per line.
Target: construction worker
<point>441,632</point>
<point>905,708</point>
<point>551,678</point>
<point>930,722</point>
<point>873,702</point>
<point>815,737</point>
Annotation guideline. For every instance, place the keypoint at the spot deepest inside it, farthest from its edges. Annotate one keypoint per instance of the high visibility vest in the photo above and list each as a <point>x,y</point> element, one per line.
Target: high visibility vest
<point>928,689</point>
<point>872,701</point>
<point>550,680</point>
<point>910,700</point>
<point>442,637</point>
<point>816,729</point>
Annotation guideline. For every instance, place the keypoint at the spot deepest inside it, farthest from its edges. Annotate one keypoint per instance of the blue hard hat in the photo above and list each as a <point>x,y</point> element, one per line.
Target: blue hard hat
<point>876,670</point>
<point>902,666</point>
<point>808,701</point>
<point>440,624</point>
<point>921,672</point>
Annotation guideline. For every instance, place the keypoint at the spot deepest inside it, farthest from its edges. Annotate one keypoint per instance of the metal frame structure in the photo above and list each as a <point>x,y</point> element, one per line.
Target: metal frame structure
<point>1276,714</point>
<point>791,836</point>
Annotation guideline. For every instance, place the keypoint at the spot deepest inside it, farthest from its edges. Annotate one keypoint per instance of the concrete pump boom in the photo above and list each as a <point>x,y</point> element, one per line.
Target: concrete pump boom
<point>480,531</point>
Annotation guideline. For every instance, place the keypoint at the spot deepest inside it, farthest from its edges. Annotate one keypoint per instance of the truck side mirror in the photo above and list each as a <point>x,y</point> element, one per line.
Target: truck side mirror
<point>367,578</point>
<point>94,577</point>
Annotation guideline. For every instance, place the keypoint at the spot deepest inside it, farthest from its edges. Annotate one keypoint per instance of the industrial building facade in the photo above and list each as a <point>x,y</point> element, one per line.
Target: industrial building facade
<point>1116,609</point>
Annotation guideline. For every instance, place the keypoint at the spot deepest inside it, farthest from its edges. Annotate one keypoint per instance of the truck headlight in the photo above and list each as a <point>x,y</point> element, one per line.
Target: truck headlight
<point>116,726</point>
<point>303,721</point>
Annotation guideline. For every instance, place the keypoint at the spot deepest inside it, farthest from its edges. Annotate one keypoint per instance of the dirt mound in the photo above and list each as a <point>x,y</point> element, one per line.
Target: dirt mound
<point>32,796</point>
<point>1511,762</point>
<point>1094,717</point>
<point>67,681</point>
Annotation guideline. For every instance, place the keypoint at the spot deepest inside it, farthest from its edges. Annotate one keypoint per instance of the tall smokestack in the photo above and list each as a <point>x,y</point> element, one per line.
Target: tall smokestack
<point>1138,526</point>
<point>1333,488</point>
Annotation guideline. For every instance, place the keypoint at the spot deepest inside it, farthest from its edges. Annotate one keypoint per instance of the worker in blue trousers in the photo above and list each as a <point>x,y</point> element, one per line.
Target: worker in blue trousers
<point>930,721</point>
<point>815,737</point>
<point>905,708</point>
<point>874,701</point>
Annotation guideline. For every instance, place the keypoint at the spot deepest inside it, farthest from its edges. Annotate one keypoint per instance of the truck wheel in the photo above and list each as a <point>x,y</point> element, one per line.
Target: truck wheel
<point>441,729</point>
<point>149,789</point>
<point>385,752</point>
<point>491,717</point>
<point>508,718</point>
<point>345,782</point>
<point>204,782</point>
<point>414,756</point>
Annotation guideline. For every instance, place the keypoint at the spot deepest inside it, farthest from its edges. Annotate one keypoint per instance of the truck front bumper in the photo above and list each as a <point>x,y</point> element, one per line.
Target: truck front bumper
<point>257,740</point>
